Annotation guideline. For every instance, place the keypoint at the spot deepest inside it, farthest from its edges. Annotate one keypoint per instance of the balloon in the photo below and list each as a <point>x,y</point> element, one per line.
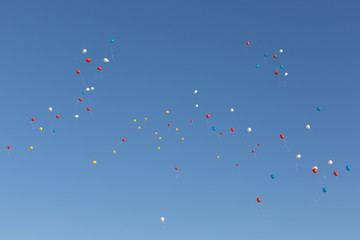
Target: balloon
<point>176,129</point>
<point>167,111</point>
<point>258,144</point>
<point>217,156</point>
<point>232,129</point>
<point>231,110</point>
<point>94,162</point>
<point>272,176</point>
<point>40,128</point>
<point>57,116</point>
<point>221,133</point>
<point>92,88</point>
<point>123,140</point>
<point>307,127</point>
<point>33,119</point>
<point>88,60</point>
<point>8,147</point>
<point>88,109</point>
<point>155,133</point>
<point>99,68</point>
<point>286,74</point>
<point>80,99</point>
<point>31,147</point>
<point>139,127</point>
<point>76,116</point>
<point>237,164</point>
<point>282,136</point>
<point>169,125</point>
<point>257,66</point>
<point>266,54</point>
<point>319,109</point>
<point>324,189</point>
<point>336,173</point>
<point>134,120</point>
<point>207,115</point>
<point>315,167</point>
<point>159,138</point>
<point>196,91</point>
<point>145,119</point>
<point>78,71</point>
<point>84,51</point>
<point>50,109</point>
<point>253,151</point>
<point>176,168</point>
<point>83,91</point>
<point>114,151</point>
<point>314,170</point>
<point>330,162</point>
<point>276,72</point>
<point>281,66</point>
<point>196,105</point>
<point>275,56</point>
<point>106,60</point>
<point>158,148</point>
<point>213,128</point>
<point>191,121</point>
<point>112,40</point>
<point>298,156</point>
<point>258,200</point>
<point>162,219</point>
<point>348,168</point>
<point>281,51</point>
<point>249,130</point>
<point>87,89</point>
<point>54,131</point>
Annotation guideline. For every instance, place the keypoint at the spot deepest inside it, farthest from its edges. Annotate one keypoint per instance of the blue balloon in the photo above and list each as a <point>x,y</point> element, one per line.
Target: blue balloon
<point>54,131</point>
<point>213,128</point>
<point>83,91</point>
<point>257,66</point>
<point>112,40</point>
<point>281,66</point>
<point>324,189</point>
<point>348,167</point>
<point>266,54</point>
<point>319,109</point>
<point>272,176</point>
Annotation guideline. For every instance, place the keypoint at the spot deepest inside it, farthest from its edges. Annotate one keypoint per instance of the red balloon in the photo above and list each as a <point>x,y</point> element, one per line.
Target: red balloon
<point>336,173</point>
<point>169,125</point>
<point>275,56</point>
<point>191,121</point>
<point>282,136</point>
<point>99,68</point>
<point>57,116</point>
<point>176,168</point>
<point>253,151</point>
<point>314,170</point>
<point>237,164</point>
<point>232,129</point>
<point>221,133</point>
<point>258,144</point>
<point>88,60</point>
<point>78,71</point>
<point>276,73</point>
<point>123,140</point>
<point>88,109</point>
<point>258,200</point>
<point>80,99</point>
<point>33,119</point>
<point>248,43</point>
<point>207,115</point>
<point>8,147</point>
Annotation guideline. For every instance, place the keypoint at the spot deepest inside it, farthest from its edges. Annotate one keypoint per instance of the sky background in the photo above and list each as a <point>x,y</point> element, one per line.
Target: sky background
<point>163,51</point>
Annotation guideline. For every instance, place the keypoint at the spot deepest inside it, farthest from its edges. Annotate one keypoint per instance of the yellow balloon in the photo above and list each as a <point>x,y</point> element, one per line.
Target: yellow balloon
<point>158,148</point>
<point>114,151</point>
<point>41,128</point>
<point>159,138</point>
<point>155,133</point>
<point>134,120</point>
<point>176,129</point>
<point>145,119</point>
<point>218,156</point>
<point>94,162</point>
<point>167,111</point>
<point>31,147</point>
<point>139,127</point>
<point>182,139</point>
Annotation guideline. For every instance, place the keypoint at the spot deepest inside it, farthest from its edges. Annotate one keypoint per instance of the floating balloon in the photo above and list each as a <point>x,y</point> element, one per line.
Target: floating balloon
<point>76,116</point>
<point>176,168</point>
<point>314,170</point>
<point>114,151</point>
<point>57,116</point>
<point>112,40</point>
<point>319,109</point>
<point>162,219</point>
<point>123,140</point>
<point>94,162</point>
<point>106,60</point>
<point>196,105</point>
<point>160,138</point>
<point>348,168</point>
<point>134,120</point>
<point>145,118</point>
<point>281,51</point>
<point>196,91</point>
<point>50,109</point>
<point>169,125</point>
<point>31,147</point>
<point>315,167</point>
<point>307,127</point>
<point>285,74</point>
<point>232,129</point>
<point>32,119</point>
<point>99,68</point>
<point>258,200</point>
<point>249,130</point>
<point>78,71</point>
<point>84,51</point>
<point>330,162</point>
<point>167,112</point>
<point>40,128</point>
<point>266,55</point>
<point>87,89</point>
<point>275,56</point>
<point>237,164</point>
<point>83,91</point>
<point>298,156</point>
<point>336,173</point>
<point>139,127</point>
<point>88,109</point>
<point>276,72</point>
<point>257,66</point>
<point>281,66</point>
<point>191,121</point>
<point>258,144</point>
<point>253,151</point>
<point>231,110</point>
<point>213,128</point>
<point>324,189</point>
<point>207,115</point>
<point>88,60</point>
<point>176,129</point>
<point>282,136</point>
<point>8,147</point>
<point>182,139</point>
<point>54,131</point>
<point>217,156</point>
<point>80,99</point>
<point>92,88</point>
<point>158,148</point>
<point>272,176</point>
<point>248,43</point>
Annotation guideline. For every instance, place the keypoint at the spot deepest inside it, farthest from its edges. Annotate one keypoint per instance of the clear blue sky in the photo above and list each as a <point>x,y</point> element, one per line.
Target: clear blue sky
<point>163,51</point>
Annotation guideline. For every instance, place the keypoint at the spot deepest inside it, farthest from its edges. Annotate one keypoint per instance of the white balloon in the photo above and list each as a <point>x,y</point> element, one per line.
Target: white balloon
<point>231,110</point>
<point>315,167</point>
<point>286,74</point>
<point>249,130</point>
<point>195,92</point>
<point>308,126</point>
<point>50,109</point>
<point>76,116</point>
<point>106,60</point>
<point>196,105</point>
<point>281,51</point>
<point>298,156</point>
<point>84,51</point>
<point>92,88</point>
<point>162,219</point>
<point>330,162</point>
<point>87,89</point>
